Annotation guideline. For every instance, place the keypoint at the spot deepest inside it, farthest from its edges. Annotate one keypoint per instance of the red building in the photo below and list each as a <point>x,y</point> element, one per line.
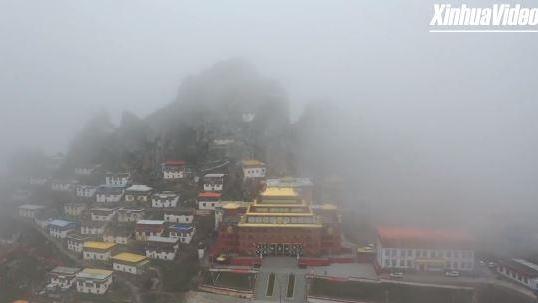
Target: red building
<point>226,221</point>
<point>281,223</point>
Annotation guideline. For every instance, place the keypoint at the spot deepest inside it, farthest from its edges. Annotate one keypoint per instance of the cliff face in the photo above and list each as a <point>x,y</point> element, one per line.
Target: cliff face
<point>230,100</point>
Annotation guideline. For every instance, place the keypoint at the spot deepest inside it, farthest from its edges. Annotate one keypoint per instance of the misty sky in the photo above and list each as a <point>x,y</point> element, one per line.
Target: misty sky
<point>453,111</point>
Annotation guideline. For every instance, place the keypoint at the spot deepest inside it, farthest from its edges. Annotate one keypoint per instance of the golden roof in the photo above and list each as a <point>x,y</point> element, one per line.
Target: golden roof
<point>94,273</point>
<point>231,205</point>
<point>129,257</point>
<point>252,163</point>
<point>328,206</point>
<point>365,249</point>
<point>275,214</point>
<point>240,224</point>
<point>279,192</point>
<point>99,245</point>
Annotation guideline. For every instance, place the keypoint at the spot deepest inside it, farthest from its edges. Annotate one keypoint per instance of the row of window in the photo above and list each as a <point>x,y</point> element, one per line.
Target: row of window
<point>179,234</point>
<point>96,256</point>
<point>411,264</point>
<point>91,285</point>
<point>279,210</point>
<point>166,203</point>
<point>252,171</point>
<point>280,220</point>
<point>425,253</point>
<point>208,204</point>
<point>125,268</point>
<point>177,218</point>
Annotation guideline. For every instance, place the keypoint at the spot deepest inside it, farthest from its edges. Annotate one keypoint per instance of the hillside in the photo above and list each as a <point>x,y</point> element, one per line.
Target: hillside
<point>229,101</point>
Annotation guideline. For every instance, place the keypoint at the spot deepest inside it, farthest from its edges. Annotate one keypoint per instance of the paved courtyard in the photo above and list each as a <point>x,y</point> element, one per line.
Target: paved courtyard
<point>347,270</point>
<point>281,268</point>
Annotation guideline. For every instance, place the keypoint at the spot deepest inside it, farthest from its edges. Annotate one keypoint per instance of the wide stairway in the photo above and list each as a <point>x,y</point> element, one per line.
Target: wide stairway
<point>277,282</point>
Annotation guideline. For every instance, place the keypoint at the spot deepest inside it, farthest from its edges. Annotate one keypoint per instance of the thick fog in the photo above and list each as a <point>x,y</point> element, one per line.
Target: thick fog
<point>447,120</point>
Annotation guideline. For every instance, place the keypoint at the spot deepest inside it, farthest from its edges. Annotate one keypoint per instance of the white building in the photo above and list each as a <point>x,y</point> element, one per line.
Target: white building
<point>130,215</point>
<point>160,249</point>
<point>149,228</point>
<point>98,251</point>
<point>138,192</point>
<point>93,228</point>
<point>108,194</point>
<point>60,228</point>
<point>165,199</point>
<point>62,278</point>
<point>103,214</point>
<point>30,210</point>
<point>213,182</point>
<point>42,220</point>
<point>75,242</point>
<point>117,179</point>
<point>424,250</point>
<point>209,201</point>
<point>183,232</point>
<point>175,169</point>
<point>94,281</point>
<point>37,181</point>
<point>85,191</point>
<point>62,185</point>
<point>74,209</point>
<point>179,216</point>
<point>253,169</point>
<point>130,263</point>
<point>117,235</point>
<point>520,271</point>
<point>84,171</point>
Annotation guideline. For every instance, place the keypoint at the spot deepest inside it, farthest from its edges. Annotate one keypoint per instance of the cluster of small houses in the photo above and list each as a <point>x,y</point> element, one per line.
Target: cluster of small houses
<point>107,217</point>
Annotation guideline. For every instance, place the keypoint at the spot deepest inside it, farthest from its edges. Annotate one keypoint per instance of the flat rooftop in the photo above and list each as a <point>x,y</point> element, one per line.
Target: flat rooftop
<point>150,222</point>
<point>99,245</point>
<point>129,257</point>
<point>62,270</point>
<point>94,273</point>
<point>279,192</point>
<point>32,206</point>
<point>61,223</point>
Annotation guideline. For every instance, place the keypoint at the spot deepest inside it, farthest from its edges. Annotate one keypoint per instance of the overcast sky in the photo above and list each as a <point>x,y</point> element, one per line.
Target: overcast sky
<point>439,108</point>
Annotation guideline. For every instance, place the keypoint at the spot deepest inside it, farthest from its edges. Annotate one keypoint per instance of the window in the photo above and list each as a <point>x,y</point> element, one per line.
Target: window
<point>387,262</point>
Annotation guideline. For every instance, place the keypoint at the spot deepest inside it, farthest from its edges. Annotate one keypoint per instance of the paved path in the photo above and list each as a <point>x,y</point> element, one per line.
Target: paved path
<point>282,268</point>
<point>204,297</point>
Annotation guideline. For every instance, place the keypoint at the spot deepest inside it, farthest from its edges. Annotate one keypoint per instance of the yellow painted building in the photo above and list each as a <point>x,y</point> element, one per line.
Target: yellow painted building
<point>98,251</point>
<point>279,223</point>
<point>130,263</point>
